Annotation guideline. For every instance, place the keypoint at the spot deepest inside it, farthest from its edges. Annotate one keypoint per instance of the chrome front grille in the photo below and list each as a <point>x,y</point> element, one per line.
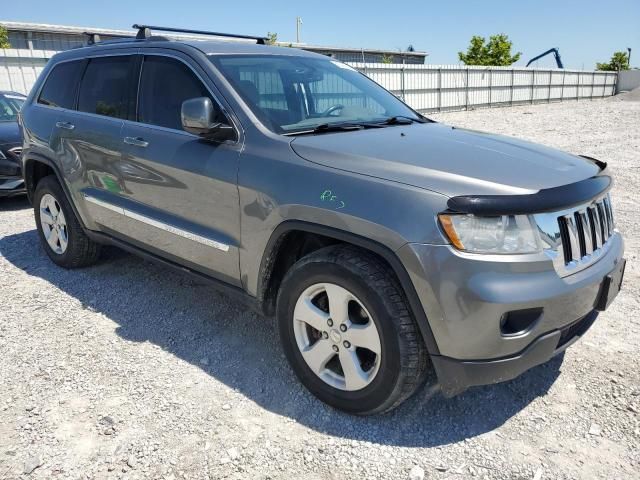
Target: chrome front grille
<point>586,230</point>
<point>576,238</point>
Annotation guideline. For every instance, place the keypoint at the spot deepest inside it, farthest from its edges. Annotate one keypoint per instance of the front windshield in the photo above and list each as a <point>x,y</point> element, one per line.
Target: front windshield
<point>9,107</point>
<point>292,94</point>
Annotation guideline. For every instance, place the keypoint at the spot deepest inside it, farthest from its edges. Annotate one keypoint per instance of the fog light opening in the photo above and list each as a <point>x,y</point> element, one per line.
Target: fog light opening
<point>519,322</point>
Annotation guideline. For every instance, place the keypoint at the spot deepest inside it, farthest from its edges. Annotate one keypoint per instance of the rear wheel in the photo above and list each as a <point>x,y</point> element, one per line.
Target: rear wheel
<point>59,230</point>
<point>348,333</point>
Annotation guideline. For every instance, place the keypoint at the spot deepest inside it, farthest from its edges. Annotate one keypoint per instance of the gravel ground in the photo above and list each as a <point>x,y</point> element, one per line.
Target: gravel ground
<point>129,370</point>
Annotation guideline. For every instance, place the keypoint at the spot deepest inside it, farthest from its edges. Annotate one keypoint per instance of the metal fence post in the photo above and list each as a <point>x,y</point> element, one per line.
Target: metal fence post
<point>550,83</point>
<point>593,81</point>
<point>578,87</point>
<point>513,85</point>
<point>564,76</point>
<point>439,89</point>
<point>533,85</point>
<point>404,97</point>
<point>466,90</point>
<point>490,87</point>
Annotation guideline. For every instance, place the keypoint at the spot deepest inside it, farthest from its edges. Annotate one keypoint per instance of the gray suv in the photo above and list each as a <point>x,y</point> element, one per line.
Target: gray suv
<point>387,246</point>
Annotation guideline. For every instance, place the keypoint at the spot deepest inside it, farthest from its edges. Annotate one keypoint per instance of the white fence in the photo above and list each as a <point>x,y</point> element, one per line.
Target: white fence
<point>429,88</point>
<point>426,88</point>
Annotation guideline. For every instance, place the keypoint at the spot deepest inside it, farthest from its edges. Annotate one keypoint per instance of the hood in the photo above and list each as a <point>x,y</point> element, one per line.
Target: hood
<point>9,133</point>
<point>445,159</point>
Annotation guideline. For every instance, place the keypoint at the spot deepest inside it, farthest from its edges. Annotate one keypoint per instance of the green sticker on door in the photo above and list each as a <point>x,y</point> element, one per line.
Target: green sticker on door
<point>329,197</point>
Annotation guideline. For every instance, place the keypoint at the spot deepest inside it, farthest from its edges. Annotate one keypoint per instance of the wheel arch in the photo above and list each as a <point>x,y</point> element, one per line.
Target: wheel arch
<point>268,281</point>
<point>36,167</point>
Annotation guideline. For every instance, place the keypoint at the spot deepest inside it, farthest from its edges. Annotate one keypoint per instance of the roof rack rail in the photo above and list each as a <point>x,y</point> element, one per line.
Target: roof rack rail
<point>144,32</point>
<point>93,38</point>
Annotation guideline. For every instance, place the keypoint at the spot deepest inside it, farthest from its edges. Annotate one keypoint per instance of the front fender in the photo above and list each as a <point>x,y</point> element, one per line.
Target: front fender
<point>276,186</point>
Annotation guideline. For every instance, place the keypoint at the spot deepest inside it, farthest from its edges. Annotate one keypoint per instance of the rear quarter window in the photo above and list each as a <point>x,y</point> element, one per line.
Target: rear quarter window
<point>60,87</point>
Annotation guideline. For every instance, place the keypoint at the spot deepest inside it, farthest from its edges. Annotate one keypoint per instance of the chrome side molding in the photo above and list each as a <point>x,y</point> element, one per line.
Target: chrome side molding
<point>158,224</point>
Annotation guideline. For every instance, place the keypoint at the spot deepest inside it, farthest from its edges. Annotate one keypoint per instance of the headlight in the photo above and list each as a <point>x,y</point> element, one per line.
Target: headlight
<point>503,234</point>
<point>2,156</point>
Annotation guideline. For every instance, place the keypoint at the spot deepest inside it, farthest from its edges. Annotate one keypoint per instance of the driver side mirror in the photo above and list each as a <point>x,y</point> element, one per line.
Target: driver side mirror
<point>197,115</point>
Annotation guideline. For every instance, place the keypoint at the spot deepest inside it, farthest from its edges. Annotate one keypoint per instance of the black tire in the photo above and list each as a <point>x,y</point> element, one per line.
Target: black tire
<point>404,358</point>
<point>81,251</point>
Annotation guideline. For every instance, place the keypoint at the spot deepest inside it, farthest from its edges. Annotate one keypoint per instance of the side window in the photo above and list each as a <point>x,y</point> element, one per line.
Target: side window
<point>60,87</point>
<point>105,86</point>
<point>164,85</point>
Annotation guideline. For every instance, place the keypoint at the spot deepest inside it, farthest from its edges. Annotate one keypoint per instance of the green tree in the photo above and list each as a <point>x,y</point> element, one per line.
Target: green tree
<point>272,38</point>
<point>386,58</point>
<point>619,61</point>
<point>495,52</point>
<point>4,38</point>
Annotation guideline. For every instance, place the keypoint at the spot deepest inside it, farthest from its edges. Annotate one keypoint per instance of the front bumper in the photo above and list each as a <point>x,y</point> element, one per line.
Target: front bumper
<point>466,297</point>
<point>457,375</point>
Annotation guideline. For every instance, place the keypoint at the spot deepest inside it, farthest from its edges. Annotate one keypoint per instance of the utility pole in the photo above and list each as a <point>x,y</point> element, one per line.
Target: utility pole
<point>298,23</point>
<point>629,57</point>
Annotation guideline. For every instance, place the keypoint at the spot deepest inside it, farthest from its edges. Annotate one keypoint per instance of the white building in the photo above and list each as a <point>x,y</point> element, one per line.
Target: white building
<point>33,44</point>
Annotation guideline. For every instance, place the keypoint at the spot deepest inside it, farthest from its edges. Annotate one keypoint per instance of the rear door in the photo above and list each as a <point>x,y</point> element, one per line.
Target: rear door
<point>56,95</point>
<point>90,136</point>
<point>180,190</point>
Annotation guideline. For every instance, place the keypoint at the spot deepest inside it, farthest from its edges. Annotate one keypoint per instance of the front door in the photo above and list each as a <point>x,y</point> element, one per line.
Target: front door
<point>180,191</point>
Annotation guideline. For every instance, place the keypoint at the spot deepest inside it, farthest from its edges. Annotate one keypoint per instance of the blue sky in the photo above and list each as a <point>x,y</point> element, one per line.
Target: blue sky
<point>585,31</point>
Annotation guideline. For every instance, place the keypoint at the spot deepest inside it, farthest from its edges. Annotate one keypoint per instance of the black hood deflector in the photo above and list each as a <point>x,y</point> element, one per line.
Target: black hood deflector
<point>547,200</point>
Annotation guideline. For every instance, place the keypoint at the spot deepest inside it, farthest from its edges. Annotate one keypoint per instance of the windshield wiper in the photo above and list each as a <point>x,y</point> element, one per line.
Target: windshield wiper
<point>402,120</point>
<point>335,127</point>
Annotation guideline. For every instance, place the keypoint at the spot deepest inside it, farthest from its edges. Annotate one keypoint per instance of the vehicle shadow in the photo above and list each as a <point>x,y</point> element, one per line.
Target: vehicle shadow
<point>12,204</point>
<point>187,318</point>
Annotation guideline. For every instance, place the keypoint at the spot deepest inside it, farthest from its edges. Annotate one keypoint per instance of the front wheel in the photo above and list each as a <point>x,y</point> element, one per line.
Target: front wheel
<point>348,333</point>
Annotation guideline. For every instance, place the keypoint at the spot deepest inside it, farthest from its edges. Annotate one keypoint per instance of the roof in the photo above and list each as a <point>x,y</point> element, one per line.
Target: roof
<point>213,47</point>
<point>208,47</point>
<point>70,30</point>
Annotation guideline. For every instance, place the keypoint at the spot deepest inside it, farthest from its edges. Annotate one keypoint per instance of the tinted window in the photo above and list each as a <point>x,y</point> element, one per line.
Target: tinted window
<point>60,87</point>
<point>105,85</point>
<point>164,85</point>
<point>10,105</point>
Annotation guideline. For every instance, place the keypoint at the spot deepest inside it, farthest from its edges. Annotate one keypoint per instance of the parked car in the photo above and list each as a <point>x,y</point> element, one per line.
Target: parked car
<point>11,182</point>
<point>385,244</point>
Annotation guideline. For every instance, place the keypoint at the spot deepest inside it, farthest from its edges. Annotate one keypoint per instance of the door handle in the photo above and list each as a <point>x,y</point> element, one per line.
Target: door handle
<point>65,125</point>
<point>136,141</point>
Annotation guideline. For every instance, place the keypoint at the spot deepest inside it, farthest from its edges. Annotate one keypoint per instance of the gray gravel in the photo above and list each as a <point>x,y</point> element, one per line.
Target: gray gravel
<point>129,370</point>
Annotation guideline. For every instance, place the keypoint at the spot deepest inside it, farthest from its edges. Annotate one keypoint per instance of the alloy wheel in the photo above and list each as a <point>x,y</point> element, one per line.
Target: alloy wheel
<point>53,223</point>
<point>337,336</point>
